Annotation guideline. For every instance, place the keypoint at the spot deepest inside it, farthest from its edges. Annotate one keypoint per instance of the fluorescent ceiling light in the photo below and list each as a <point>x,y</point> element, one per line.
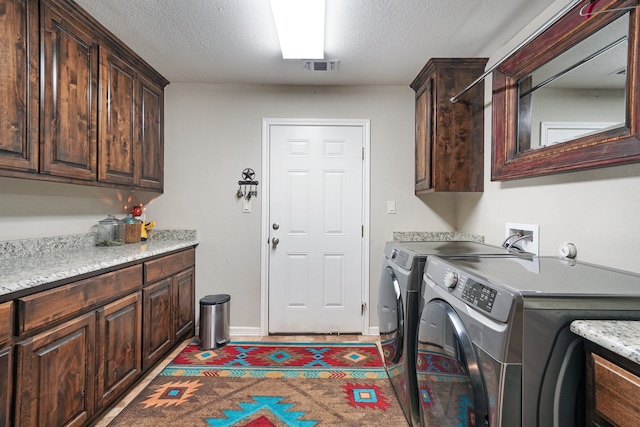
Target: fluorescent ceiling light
<point>300,26</point>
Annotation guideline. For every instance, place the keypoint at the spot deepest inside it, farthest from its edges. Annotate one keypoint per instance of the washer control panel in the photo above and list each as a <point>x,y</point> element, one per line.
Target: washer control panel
<point>401,258</point>
<point>450,281</point>
<point>479,295</point>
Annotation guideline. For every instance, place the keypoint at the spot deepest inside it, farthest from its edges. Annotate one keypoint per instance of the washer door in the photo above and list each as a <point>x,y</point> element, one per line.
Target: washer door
<point>391,317</point>
<point>451,387</point>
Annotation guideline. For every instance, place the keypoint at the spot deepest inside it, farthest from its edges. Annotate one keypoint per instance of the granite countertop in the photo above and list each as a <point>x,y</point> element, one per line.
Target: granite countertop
<point>620,336</point>
<point>36,262</point>
<point>435,236</point>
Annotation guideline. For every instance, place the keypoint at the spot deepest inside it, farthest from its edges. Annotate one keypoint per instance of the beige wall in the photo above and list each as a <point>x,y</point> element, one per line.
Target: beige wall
<point>213,132</point>
<point>596,209</point>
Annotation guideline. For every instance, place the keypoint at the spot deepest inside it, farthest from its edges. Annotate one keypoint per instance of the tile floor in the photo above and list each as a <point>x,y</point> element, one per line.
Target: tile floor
<point>113,412</point>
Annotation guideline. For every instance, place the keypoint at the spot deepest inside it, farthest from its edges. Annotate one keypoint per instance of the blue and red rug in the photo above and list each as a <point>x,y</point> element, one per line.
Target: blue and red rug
<point>281,360</point>
<point>269,384</point>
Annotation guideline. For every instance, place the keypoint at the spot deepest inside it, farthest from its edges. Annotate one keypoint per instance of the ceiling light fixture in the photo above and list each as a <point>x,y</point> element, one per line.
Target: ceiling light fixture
<point>300,27</point>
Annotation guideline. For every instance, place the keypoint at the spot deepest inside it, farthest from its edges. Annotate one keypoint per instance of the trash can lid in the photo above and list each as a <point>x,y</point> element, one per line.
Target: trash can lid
<point>215,299</point>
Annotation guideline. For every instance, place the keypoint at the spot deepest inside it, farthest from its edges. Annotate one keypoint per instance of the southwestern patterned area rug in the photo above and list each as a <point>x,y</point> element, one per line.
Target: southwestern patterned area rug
<point>257,384</point>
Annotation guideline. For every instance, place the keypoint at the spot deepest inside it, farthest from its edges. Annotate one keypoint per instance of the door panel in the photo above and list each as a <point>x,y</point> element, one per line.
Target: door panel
<point>316,193</point>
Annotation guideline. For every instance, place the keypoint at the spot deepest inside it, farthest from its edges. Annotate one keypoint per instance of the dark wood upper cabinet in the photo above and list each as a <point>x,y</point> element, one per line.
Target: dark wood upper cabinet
<point>70,96</point>
<point>80,106</point>
<point>131,148</point>
<point>569,81</point>
<point>19,85</point>
<point>151,138</point>
<point>449,136</point>
<point>117,120</point>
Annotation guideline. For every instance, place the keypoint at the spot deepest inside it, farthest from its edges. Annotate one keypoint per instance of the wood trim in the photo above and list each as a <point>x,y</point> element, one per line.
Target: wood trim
<point>618,146</point>
<point>169,265</point>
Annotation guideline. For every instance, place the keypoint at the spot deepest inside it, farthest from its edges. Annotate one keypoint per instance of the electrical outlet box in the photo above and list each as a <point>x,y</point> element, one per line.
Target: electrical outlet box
<point>523,236</point>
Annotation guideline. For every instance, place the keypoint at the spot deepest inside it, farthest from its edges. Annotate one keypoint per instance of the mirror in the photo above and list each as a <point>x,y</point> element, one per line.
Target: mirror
<point>564,101</point>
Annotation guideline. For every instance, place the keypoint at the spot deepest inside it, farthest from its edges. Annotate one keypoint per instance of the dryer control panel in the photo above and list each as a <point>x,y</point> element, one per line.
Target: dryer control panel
<point>488,298</point>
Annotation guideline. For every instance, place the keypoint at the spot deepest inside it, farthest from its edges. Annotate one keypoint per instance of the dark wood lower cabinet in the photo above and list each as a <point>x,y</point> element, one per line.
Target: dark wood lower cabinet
<point>612,389</point>
<point>158,336</point>
<point>6,385</point>
<point>78,347</point>
<point>56,375</point>
<point>184,298</point>
<point>119,346</point>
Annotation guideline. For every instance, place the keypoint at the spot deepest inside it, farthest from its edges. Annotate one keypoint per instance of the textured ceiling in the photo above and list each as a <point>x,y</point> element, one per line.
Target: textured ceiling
<point>378,42</point>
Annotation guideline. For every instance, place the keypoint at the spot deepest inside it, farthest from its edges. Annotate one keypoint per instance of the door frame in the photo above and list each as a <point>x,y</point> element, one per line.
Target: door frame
<point>264,253</point>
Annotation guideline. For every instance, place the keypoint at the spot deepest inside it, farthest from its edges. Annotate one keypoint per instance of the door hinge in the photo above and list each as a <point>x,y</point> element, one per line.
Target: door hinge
<point>363,308</point>
<point>362,153</point>
<point>362,230</point>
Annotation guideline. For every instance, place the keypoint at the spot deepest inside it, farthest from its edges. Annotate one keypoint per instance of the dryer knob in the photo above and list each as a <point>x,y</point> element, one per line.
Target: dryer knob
<point>450,280</point>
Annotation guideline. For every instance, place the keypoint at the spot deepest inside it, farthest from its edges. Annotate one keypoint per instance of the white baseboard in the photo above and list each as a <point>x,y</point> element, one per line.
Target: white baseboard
<point>244,331</point>
<point>251,331</point>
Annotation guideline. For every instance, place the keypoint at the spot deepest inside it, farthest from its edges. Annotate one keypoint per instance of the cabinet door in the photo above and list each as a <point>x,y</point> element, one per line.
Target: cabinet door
<point>69,83</point>
<point>18,85</point>
<point>424,136</point>
<point>184,303</point>
<point>119,347</point>
<point>6,386</point>
<point>117,120</point>
<point>150,167</point>
<point>56,375</point>
<point>158,334</point>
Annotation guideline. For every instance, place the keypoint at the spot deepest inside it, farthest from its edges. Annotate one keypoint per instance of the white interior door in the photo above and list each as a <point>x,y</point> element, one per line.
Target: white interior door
<point>316,222</point>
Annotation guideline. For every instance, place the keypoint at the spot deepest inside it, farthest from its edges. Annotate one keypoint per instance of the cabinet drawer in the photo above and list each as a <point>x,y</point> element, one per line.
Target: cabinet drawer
<point>6,321</point>
<point>616,391</point>
<point>48,306</point>
<point>169,265</point>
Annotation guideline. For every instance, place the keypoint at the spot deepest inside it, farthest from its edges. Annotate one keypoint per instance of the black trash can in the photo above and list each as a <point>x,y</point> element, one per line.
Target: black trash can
<point>214,321</point>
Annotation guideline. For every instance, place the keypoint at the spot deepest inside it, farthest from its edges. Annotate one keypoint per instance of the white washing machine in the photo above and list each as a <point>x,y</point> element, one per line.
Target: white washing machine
<point>398,309</point>
<point>494,345</point>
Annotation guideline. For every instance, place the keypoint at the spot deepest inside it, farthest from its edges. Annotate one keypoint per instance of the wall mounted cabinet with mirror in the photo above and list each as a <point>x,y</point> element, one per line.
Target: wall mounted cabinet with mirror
<point>567,100</point>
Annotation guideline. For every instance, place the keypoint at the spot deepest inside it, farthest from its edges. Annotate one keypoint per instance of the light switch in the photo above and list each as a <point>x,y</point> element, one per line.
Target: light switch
<point>246,205</point>
<point>391,207</point>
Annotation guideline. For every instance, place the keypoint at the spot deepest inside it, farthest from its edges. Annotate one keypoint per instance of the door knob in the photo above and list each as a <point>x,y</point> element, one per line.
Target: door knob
<point>275,241</point>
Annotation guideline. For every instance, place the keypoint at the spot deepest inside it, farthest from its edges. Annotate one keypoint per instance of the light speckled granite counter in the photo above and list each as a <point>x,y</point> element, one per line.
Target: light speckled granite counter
<point>620,336</point>
<point>435,236</point>
<point>26,264</point>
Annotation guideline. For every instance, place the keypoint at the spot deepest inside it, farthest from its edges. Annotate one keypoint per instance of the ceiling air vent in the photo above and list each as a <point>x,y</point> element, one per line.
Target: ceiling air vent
<point>320,65</point>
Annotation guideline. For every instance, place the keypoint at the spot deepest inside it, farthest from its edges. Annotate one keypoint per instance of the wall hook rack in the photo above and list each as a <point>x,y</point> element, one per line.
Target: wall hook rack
<point>247,187</point>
